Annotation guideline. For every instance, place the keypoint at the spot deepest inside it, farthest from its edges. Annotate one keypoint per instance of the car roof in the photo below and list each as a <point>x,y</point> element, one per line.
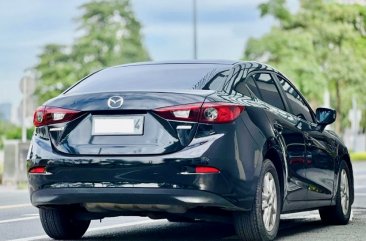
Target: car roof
<point>224,64</point>
<point>181,62</point>
<point>214,63</point>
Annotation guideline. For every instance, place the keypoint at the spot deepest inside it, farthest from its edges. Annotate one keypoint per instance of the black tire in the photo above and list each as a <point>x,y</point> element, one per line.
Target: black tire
<point>334,214</point>
<point>250,225</point>
<point>59,224</point>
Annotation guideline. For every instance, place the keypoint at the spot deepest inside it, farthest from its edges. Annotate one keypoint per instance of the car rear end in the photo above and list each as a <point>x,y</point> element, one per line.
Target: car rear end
<point>144,151</point>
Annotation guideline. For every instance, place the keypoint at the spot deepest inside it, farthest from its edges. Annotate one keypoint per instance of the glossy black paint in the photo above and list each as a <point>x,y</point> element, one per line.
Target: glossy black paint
<point>157,166</point>
<point>77,139</point>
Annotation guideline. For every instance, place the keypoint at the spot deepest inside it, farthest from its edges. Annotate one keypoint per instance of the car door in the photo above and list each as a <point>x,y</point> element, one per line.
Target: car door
<point>320,147</point>
<point>263,85</point>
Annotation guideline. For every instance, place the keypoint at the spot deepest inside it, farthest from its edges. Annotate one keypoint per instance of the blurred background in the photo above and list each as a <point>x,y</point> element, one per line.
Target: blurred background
<point>46,46</point>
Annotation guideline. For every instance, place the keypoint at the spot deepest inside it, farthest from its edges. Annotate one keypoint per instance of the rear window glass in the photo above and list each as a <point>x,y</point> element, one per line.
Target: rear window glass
<point>142,77</point>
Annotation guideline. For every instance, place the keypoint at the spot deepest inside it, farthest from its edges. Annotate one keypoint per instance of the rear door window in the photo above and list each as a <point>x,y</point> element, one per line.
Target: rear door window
<point>268,90</point>
<point>253,87</point>
<point>240,85</point>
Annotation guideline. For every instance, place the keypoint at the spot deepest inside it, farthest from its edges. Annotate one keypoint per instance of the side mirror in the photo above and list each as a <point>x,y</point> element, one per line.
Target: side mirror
<point>325,116</point>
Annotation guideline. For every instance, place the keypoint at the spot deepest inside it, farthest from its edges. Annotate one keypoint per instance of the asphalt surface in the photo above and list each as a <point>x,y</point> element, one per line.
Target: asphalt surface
<point>20,221</point>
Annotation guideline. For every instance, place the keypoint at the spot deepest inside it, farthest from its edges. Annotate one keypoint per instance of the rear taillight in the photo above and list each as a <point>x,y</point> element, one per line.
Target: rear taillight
<point>45,115</point>
<point>203,113</point>
<point>189,112</point>
<point>220,112</point>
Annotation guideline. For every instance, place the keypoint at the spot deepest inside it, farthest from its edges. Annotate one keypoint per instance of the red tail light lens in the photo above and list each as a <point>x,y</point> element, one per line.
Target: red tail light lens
<point>204,170</point>
<point>220,112</point>
<point>189,112</point>
<point>203,113</point>
<point>45,115</point>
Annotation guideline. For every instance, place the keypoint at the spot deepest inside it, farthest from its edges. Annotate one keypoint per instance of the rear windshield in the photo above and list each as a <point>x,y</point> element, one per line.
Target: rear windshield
<point>149,77</point>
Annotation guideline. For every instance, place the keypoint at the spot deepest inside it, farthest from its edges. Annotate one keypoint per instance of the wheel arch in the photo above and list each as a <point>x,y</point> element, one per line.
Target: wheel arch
<point>274,155</point>
<point>347,159</point>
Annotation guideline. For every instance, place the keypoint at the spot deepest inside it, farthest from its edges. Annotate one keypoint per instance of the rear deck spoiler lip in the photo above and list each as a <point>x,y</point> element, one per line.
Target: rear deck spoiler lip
<point>173,91</point>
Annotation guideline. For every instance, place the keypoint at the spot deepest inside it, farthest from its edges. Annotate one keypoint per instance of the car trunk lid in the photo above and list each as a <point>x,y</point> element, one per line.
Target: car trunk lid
<point>105,128</point>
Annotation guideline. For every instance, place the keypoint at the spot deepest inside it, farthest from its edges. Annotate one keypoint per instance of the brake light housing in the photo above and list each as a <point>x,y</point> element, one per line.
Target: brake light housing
<point>215,112</point>
<point>46,115</point>
<point>190,112</point>
<point>220,112</point>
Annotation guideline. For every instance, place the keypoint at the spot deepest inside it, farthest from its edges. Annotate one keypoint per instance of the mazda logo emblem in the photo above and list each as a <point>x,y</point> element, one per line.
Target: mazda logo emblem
<point>115,102</point>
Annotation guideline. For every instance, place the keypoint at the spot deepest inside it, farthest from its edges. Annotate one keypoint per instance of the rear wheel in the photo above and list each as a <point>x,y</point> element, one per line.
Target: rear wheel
<point>60,224</point>
<point>341,212</point>
<point>262,222</point>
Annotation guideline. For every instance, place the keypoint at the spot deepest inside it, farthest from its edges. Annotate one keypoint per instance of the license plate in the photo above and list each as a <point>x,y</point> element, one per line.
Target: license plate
<point>118,125</point>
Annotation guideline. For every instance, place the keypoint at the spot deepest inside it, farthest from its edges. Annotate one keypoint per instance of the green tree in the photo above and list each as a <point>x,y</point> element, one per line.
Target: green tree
<point>57,71</point>
<point>110,35</point>
<point>321,46</point>
<point>10,131</point>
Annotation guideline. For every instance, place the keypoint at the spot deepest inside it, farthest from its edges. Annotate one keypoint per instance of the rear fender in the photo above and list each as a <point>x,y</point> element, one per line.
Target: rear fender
<point>274,150</point>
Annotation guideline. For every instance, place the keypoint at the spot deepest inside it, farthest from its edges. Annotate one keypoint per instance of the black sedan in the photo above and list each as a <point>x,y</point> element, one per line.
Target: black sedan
<point>186,141</point>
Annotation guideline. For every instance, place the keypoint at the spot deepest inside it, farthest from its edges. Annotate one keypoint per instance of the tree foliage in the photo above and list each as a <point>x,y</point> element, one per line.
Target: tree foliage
<point>320,46</point>
<point>10,131</point>
<point>109,34</point>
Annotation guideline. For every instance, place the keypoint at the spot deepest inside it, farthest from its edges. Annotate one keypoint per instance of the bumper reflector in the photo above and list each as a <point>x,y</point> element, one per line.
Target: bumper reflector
<point>38,170</point>
<point>201,169</point>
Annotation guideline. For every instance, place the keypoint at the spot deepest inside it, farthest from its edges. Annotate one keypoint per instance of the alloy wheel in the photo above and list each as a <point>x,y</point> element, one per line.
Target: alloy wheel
<point>344,189</point>
<point>269,201</point>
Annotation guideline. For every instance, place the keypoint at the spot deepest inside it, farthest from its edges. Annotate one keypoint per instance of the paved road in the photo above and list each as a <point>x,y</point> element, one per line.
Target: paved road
<point>20,221</point>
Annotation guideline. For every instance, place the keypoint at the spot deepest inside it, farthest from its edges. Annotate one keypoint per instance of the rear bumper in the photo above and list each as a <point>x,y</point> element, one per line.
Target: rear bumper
<point>165,179</point>
<point>139,196</point>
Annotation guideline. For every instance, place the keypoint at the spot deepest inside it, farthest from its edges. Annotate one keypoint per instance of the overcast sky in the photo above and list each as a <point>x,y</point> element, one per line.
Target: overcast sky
<point>223,28</point>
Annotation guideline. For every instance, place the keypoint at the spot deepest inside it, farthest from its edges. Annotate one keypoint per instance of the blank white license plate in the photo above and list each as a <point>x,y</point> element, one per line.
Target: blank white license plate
<point>118,125</point>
